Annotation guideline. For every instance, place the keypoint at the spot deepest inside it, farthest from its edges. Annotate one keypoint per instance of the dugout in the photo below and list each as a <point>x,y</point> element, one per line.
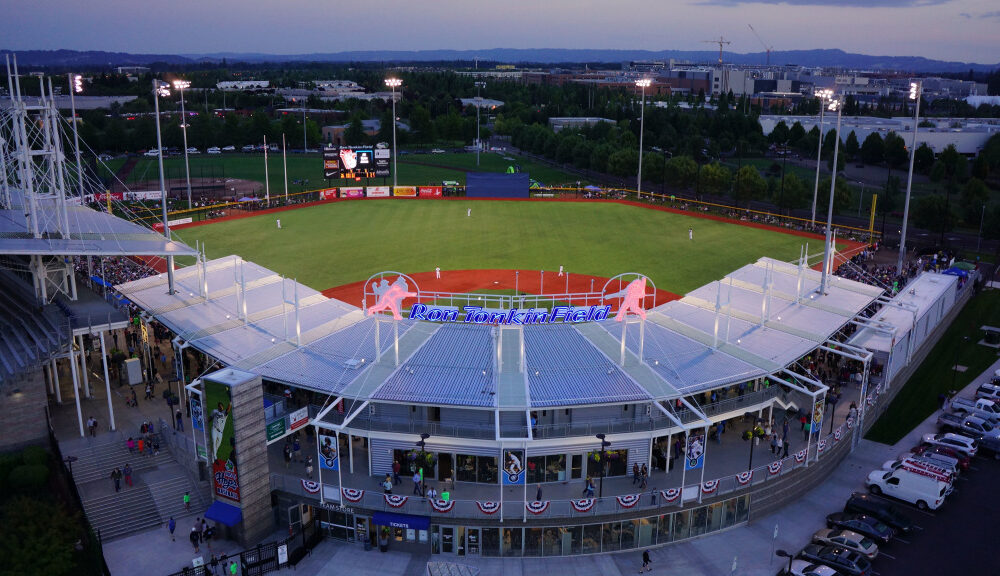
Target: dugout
<point>495,185</point>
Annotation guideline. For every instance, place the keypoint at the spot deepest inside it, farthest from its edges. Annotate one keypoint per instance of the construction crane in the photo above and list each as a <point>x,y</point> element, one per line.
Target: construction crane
<point>721,41</point>
<point>767,48</point>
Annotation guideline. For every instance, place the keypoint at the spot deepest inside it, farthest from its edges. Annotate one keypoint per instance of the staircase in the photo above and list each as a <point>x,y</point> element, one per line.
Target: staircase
<point>159,484</point>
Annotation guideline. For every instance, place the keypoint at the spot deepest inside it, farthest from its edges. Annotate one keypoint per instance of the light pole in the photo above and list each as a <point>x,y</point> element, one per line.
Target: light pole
<point>479,102</point>
<point>915,89</point>
<point>604,445</point>
<point>76,86</point>
<point>828,253</point>
<point>642,83</point>
<point>979,238</point>
<point>394,83</point>
<point>180,85</point>
<point>823,96</point>
<point>162,89</point>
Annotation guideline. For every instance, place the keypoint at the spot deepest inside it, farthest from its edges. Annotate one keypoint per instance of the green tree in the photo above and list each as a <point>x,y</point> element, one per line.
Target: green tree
<point>873,149</point>
<point>750,185</point>
<point>895,150</point>
<point>975,195</point>
<point>38,537</point>
<point>780,134</point>
<point>681,171</point>
<point>841,195</point>
<point>933,213</point>
<point>924,158</point>
<point>851,146</point>
<point>355,132</point>
<point>624,163</point>
<point>791,194</point>
<point>714,179</point>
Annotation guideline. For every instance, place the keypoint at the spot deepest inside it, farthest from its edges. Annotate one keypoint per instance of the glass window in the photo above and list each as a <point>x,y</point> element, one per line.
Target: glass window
<point>576,466</point>
<point>715,516</point>
<point>575,533</point>
<point>552,542</point>
<point>491,541</point>
<point>532,541</point>
<point>628,533</point>
<point>611,537</point>
<point>730,517</point>
<point>536,469</point>
<point>487,469</point>
<point>682,522</point>
<point>742,508</point>
<point>465,468</point>
<point>647,531</point>
<point>555,468</point>
<point>663,531</point>
<point>511,542</point>
<point>591,538</point>
<point>616,463</point>
<point>699,520</point>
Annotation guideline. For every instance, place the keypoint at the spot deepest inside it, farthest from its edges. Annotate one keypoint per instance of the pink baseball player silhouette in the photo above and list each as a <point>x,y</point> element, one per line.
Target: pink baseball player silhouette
<point>391,298</point>
<point>632,297</point>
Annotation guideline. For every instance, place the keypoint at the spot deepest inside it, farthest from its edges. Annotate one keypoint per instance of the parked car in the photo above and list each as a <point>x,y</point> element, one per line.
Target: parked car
<point>807,568</point>
<point>248,148</point>
<point>909,484</point>
<point>193,150</point>
<point>104,157</point>
<point>847,539</point>
<point>152,153</point>
<point>863,524</point>
<point>889,514</point>
<point>967,425</point>
<point>980,407</point>
<point>942,453</point>
<point>937,467</point>
<point>838,558</point>
<point>229,148</point>
<point>214,150</point>
<point>437,151</point>
<point>988,391</point>
<point>956,442</point>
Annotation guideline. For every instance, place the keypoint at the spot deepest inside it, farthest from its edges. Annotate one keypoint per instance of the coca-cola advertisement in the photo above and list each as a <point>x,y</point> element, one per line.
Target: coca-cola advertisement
<point>225,477</point>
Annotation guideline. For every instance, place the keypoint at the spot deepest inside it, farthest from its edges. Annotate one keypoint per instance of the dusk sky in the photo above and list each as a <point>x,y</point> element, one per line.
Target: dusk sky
<point>962,30</point>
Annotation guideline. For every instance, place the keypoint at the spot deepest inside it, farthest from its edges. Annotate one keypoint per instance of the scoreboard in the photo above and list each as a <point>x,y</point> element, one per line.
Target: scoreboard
<point>353,162</point>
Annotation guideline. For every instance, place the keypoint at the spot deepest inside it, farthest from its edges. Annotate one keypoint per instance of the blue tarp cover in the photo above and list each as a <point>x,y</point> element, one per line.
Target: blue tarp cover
<point>226,513</point>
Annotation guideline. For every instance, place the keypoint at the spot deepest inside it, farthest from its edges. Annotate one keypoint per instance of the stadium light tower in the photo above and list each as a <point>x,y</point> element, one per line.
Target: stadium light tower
<point>824,96</point>
<point>76,87</point>
<point>479,103</point>
<point>642,83</point>
<point>394,83</point>
<point>180,85</point>
<point>163,89</point>
<point>835,104</point>
<point>915,90</point>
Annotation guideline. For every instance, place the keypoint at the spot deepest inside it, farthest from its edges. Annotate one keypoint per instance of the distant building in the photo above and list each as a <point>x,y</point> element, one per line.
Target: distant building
<point>334,135</point>
<point>484,103</point>
<point>244,85</point>
<point>132,70</point>
<point>558,124</point>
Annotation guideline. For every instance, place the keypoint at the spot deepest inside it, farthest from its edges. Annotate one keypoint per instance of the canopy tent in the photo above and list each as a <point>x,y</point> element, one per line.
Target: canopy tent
<point>226,513</point>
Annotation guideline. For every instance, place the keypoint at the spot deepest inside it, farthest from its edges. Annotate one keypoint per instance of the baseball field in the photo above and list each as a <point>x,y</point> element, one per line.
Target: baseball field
<point>343,242</point>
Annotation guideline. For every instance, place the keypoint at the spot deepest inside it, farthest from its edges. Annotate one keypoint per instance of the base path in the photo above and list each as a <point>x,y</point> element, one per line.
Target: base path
<point>464,281</point>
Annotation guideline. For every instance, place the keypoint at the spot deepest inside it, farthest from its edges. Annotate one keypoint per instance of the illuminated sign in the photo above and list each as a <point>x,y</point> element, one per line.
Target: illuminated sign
<point>511,317</point>
<point>352,162</point>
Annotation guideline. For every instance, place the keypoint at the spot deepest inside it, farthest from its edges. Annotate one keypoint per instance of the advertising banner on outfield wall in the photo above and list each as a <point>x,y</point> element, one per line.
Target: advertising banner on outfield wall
<point>378,191</point>
<point>405,191</point>
<point>352,192</point>
<point>429,191</point>
<point>328,194</point>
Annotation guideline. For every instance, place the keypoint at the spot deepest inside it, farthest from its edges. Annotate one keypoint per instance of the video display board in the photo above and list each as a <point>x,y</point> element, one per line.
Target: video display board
<point>352,162</point>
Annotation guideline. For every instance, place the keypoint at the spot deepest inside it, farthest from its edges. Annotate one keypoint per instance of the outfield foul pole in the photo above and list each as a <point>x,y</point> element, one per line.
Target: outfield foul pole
<point>284,163</point>
<point>267,181</point>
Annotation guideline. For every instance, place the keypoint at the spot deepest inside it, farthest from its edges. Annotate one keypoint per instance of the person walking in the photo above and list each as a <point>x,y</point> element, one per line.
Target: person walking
<point>141,445</point>
<point>774,442</point>
<point>195,539</point>
<point>416,483</point>
<point>309,467</point>
<point>805,431</point>
<point>92,426</point>
<point>645,562</point>
<point>179,417</point>
<point>588,488</point>
<point>635,473</point>
<point>432,494</point>
<point>395,472</point>
<point>127,472</point>
<point>296,448</point>
<point>785,446</point>
<point>288,454</point>
<point>187,500</point>
<point>172,525</point>
<point>116,479</point>
<point>690,233</point>
<point>131,445</point>
<point>387,485</point>
<point>538,493</point>
<point>645,476</point>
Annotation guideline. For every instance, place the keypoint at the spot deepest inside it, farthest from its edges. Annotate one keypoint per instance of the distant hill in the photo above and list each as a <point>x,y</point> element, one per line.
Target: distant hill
<point>825,58</point>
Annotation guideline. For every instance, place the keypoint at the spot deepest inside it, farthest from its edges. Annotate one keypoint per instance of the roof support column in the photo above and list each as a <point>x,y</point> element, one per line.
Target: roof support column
<point>107,382</point>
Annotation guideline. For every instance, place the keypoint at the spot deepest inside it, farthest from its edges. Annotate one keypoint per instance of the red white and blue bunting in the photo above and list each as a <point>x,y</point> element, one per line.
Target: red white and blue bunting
<point>821,446</point>
<point>488,506</point>
<point>395,500</point>
<point>670,494</point>
<point>311,486</point>
<point>709,486</point>
<point>352,494</point>
<point>774,467</point>
<point>837,433</point>
<point>744,478</point>
<point>800,456</point>
<point>442,506</point>
<point>583,505</point>
<point>628,500</point>
<point>871,400</point>
<point>850,423</point>
<point>537,507</point>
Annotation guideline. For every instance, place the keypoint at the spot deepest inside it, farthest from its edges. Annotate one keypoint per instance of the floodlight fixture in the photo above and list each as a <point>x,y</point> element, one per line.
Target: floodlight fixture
<point>393,82</point>
<point>643,83</point>
<point>181,84</point>
<point>77,83</point>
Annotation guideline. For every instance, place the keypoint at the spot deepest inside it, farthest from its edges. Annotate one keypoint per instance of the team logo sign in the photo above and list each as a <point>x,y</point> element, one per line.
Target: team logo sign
<point>632,297</point>
<point>352,494</point>
<point>488,506</point>
<point>695,455</point>
<point>628,500</point>
<point>537,507</point>
<point>583,505</point>
<point>390,297</point>
<point>513,469</point>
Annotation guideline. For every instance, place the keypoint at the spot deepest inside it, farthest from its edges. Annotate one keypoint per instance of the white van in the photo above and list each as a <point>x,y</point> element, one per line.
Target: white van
<point>911,485</point>
<point>941,470</point>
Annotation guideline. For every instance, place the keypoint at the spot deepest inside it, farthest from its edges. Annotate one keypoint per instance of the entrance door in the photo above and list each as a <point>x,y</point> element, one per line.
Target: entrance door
<point>447,539</point>
<point>472,542</point>
<point>444,467</point>
<point>294,518</point>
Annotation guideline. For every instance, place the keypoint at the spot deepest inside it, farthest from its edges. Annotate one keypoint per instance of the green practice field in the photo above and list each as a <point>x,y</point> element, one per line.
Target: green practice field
<point>333,244</point>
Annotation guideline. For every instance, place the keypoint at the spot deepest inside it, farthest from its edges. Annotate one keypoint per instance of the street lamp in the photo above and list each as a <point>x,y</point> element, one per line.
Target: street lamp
<point>915,89</point>
<point>823,96</point>
<point>479,103</point>
<point>394,83</point>
<point>604,445</point>
<point>180,85</point>
<point>162,89</point>
<point>642,83</point>
<point>827,254</point>
<point>783,554</point>
<point>752,435</point>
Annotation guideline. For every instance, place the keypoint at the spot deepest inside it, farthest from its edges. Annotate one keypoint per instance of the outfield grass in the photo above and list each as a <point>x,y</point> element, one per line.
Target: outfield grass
<point>309,167</point>
<point>919,398</point>
<point>333,244</point>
